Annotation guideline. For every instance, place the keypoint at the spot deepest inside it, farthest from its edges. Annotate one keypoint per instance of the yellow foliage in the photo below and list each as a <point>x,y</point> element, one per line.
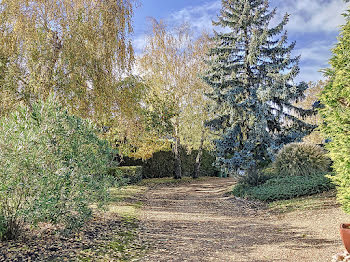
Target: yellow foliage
<point>171,64</point>
<point>77,49</point>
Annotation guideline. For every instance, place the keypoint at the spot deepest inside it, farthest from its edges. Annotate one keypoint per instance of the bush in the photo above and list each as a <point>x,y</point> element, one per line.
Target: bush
<point>302,159</point>
<point>128,174</point>
<point>53,165</point>
<point>287,187</point>
<point>241,190</point>
<point>162,164</point>
<point>254,178</point>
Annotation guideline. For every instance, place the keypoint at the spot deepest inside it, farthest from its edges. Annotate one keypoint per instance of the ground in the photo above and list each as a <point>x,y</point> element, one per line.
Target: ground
<point>199,222</point>
<point>192,221</point>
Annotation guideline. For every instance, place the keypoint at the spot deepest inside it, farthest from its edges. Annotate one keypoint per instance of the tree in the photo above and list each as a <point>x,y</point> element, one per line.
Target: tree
<point>312,99</point>
<point>336,114</point>
<point>77,49</point>
<point>171,65</point>
<point>138,127</point>
<point>251,72</point>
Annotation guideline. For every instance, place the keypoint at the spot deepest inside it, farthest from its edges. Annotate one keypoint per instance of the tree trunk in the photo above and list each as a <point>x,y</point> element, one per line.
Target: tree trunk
<point>177,167</point>
<point>197,165</point>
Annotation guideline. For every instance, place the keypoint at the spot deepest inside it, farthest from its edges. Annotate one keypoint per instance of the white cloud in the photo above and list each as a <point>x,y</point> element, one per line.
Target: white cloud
<point>139,43</point>
<point>312,15</point>
<point>309,73</point>
<point>318,21</point>
<point>318,52</point>
<point>305,15</point>
<point>199,17</point>
<point>314,57</point>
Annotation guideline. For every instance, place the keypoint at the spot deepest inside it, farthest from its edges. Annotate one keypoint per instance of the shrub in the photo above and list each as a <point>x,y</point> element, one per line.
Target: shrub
<point>128,174</point>
<point>240,190</point>
<point>53,165</point>
<point>254,178</point>
<point>302,159</point>
<point>287,187</point>
<point>162,164</point>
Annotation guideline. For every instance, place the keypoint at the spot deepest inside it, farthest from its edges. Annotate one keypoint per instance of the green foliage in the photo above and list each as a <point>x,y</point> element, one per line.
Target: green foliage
<point>78,49</point>
<point>252,72</point>
<point>286,187</point>
<point>302,159</point>
<point>336,114</point>
<point>255,178</point>
<point>162,164</point>
<point>130,174</point>
<point>4,229</point>
<point>53,166</point>
<point>241,190</point>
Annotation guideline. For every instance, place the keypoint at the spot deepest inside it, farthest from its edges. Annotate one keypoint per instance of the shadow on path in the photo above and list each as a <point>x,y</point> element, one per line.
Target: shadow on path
<point>196,222</point>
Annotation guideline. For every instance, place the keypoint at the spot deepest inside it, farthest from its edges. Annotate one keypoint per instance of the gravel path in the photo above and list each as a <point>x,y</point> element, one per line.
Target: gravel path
<point>197,222</point>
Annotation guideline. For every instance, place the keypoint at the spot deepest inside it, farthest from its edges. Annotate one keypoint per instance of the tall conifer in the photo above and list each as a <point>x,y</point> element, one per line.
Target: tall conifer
<point>251,72</point>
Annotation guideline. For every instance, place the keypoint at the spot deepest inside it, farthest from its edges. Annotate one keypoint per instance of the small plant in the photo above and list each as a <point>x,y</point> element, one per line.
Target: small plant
<point>302,159</point>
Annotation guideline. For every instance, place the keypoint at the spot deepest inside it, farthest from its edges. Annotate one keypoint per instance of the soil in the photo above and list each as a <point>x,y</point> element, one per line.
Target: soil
<point>196,221</point>
<point>104,238</point>
<point>199,222</point>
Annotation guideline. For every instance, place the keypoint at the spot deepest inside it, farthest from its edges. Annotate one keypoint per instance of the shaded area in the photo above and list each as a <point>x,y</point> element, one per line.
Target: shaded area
<point>196,222</point>
<point>105,238</point>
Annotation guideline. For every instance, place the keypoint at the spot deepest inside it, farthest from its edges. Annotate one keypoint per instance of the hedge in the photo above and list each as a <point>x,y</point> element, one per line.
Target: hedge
<point>128,174</point>
<point>287,187</point>
<point>162,164</point>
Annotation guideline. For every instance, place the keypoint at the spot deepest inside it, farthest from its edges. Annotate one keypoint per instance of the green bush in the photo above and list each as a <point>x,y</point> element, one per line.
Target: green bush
<point>241,190</point>
<point>287,187</point>
<point>255,178</point>
<point>128,174</point>
<point>302,159</point>
<point>162,164</point>
<point>53,165</point>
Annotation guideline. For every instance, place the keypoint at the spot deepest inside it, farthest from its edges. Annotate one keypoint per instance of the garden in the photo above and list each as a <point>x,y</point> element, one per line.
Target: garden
<point>201,146</point>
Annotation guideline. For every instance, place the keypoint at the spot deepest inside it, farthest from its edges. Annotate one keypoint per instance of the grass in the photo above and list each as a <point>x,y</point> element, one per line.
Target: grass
<point>124,201</point>
<point>313,202</point>
<point>124,244</point>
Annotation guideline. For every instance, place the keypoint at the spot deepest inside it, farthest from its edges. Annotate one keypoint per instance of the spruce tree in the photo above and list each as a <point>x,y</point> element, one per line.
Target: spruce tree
<point>251,72</point>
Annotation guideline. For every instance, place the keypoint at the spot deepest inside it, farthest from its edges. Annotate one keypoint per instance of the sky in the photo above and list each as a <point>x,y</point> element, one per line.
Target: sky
<point>313,24</point>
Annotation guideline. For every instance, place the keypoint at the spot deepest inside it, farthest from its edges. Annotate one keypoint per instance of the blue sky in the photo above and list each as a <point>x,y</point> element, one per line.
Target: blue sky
<point>314,25</point>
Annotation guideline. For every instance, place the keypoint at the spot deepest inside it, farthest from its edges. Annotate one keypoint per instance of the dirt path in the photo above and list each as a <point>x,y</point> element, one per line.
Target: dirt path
<point>196,222</point>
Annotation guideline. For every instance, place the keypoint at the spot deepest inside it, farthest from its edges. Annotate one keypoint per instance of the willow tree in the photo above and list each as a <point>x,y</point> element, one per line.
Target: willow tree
<point>76,49</point>
<point>252,71</point>
<point>171,65</point>
<point>137,128</point>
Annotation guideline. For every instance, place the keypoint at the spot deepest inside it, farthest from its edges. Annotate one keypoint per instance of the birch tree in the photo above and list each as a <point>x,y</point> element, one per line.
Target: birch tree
<point>171,65</point>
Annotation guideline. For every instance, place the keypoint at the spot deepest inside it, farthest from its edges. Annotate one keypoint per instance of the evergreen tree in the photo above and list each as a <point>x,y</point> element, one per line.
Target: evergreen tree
<point>336,114</point>
<point>251,71</point>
